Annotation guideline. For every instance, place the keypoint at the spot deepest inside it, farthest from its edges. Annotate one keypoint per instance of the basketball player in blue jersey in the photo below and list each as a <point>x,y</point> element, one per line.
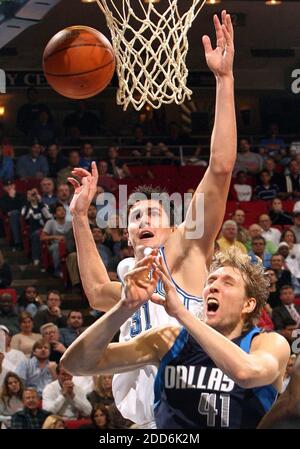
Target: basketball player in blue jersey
<point>150,226</point>
<point>222,373</point>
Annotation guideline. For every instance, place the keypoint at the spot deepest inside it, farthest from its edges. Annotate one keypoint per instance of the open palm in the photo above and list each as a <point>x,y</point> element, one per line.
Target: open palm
<point>220,59</point>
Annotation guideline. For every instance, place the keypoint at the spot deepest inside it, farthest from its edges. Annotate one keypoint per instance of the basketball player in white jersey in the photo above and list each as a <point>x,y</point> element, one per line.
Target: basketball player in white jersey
<point>149,226</point>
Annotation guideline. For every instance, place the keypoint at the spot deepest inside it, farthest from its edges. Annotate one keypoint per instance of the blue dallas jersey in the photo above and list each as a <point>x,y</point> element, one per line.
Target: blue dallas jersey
<point>192,393</point>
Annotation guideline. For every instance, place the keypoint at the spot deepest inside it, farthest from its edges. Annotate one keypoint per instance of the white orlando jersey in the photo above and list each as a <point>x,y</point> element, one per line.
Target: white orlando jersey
<point>134,391</point>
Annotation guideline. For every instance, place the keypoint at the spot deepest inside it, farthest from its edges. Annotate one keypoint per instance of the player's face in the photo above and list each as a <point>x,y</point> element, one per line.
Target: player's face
<point>148,225</point>
<point>225,300</point>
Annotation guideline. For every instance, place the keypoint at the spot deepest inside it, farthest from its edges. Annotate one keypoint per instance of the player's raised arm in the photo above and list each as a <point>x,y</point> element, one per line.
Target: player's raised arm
<point>91,352</point>
<point>216,181</point>
<point>101,292</point>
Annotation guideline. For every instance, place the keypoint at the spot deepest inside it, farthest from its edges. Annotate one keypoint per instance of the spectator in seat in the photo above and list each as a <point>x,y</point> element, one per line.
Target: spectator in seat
<point>243,233</point>
<point>54,422</point>
<point>43,129</point>
<point>241,189</point>
<point>87,122</point>
<point>273,299</point>
<point>229,237</point>
<point>278,215</point>
<point>92,214</point>
<point>64,398</point>
<point>289,237</point>
<point>102,392</point>
<point>269,233</point>
<point>283,275</point>
<point>11,396</point>
<point>35,214</point>
<point>290,183</point>
<point>104,251</point>
<point>5,272</point>
<point>25,340</point>
<point>29,112</point>
<point>117,167</point>
<point>247,160</point>
<point>38,371</point>
<point>11,358</point>
<point>292,264</point>
<point>55,230</point>
<point>258,251</point>
<point>288,313</point>
<point>29,301</point>
<point>56,160</point>
<point>31,416</point>
<point>73,162</point>
<point>11,204</point>
<point>273,169</point>
<point>48,192</point>
<point>265,190</point>
<point>296,226</point>
<point>272,145</point>
<point>74,328</point>
<point>86,155</point>
<point>33,164</point>
<point>64,197</point>
<point>105,179</point>
<point>100,418</point>
<point>6,167</point>
<point>51,334</point>
<point>288,372</point>
<point>256,231</point>
<point>8,315</point>
<point>52,314</point>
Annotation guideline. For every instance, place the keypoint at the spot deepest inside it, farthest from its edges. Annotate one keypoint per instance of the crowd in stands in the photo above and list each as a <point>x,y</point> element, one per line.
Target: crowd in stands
<point>262,220</point>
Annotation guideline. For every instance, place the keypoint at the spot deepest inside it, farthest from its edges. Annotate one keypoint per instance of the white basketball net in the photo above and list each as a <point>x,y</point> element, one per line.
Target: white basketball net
<point>150,42</point>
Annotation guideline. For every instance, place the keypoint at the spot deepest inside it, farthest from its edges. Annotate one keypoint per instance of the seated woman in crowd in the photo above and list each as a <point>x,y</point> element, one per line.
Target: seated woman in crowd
<point>278,215</point>
<point>10,397</point>
<point>24,340</point>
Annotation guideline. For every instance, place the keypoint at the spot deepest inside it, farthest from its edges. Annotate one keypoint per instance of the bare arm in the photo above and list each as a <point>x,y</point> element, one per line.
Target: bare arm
<point>91,352</point>
<point>101,292</point>
<point>192,244</point>
<point>216,181</point>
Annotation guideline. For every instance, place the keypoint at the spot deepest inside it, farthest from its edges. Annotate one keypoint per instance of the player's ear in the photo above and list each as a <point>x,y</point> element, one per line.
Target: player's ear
<point>249,305</point>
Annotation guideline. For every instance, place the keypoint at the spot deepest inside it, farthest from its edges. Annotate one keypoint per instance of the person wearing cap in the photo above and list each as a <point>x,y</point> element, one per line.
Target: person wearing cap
<point>10,359</point>
<point>292,264</point>
<point>8,316</point>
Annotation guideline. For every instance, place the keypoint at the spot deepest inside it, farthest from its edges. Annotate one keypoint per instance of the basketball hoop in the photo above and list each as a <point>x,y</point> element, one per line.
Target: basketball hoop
<point>151,44</point>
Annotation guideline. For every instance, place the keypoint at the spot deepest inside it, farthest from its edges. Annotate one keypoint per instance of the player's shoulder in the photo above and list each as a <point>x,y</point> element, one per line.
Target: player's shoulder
<point>267,340</point>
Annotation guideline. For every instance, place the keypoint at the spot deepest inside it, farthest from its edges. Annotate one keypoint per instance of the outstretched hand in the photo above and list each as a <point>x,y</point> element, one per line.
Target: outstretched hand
<point>85,191</point>
<point>139,284</point>
<point>171,303</point>
<point>220,59</point>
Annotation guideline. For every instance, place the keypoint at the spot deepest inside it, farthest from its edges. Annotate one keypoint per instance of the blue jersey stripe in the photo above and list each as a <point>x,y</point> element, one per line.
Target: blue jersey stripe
<point>173,352</point>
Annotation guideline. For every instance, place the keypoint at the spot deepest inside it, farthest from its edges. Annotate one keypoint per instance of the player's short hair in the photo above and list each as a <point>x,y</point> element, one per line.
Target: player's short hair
<point>256,282</point>
<point>150,192</point>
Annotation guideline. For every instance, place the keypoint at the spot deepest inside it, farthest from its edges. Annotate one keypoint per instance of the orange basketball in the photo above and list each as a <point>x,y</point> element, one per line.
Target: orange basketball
<point>79,62</point>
